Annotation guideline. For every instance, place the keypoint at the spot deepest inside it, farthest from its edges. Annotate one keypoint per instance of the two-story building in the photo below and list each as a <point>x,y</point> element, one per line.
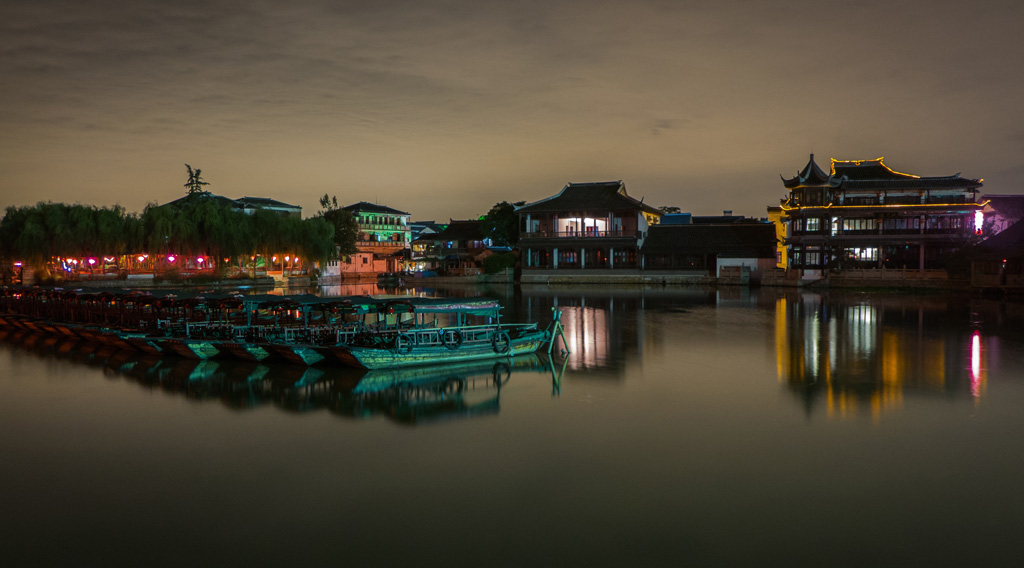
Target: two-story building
<point>384,232</point>
<point>865,215</point>
<point>585,226</point>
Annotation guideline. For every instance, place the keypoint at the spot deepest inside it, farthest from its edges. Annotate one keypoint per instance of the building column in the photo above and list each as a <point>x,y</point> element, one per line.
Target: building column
<point>583,258</point>
<point>554,259</point>
<point>611,255</point>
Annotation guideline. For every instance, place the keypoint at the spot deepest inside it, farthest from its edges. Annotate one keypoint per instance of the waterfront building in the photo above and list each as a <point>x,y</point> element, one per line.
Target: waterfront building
<point>998,262</point>
<point>776,218</point>
<point>585,226</point>
<point>724,250</point>
<point>424,252</point>
<point>382,230</point>
<point>456,249</point>
<point>865,215</point>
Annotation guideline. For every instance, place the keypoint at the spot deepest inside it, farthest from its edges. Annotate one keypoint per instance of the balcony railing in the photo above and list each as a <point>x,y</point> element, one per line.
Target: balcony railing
<point>581,234</point>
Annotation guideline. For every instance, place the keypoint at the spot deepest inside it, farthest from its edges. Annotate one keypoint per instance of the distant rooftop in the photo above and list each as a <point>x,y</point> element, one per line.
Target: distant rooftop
<point>366,207</point>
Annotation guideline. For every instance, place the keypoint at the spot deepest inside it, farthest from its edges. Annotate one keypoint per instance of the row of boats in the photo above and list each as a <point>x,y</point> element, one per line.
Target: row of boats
<point>368,332</point>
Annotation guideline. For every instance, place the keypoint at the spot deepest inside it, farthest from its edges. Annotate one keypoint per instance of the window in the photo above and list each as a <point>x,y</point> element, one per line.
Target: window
<point>867,254</point>
<point>850,225</point>
<point>813,224</point>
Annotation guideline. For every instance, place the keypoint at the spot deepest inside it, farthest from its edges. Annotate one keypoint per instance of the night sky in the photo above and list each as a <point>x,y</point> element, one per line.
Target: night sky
<point>442,109</point>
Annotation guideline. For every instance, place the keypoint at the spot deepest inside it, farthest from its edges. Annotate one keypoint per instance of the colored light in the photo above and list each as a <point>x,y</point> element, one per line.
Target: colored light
<point>200,260</point>
<point>92,261</point>
<point>171,258</point>
<point>17,263</point>
<point>979,221</point>
<point>141,258</point>
<point>976,364</point>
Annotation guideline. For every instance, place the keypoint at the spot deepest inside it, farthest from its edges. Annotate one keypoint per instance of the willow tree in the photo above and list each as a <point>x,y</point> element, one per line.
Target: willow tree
<point>346,229</point>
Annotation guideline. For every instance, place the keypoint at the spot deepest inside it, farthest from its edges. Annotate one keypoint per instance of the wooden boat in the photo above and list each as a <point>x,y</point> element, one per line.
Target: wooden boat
<point>441,331</point>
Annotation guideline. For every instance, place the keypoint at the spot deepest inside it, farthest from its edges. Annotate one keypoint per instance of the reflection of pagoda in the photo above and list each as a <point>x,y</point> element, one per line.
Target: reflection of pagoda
<point>857,355</point>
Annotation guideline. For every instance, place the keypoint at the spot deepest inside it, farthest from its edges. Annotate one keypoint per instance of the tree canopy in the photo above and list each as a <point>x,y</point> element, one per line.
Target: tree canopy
<point>501,224</point>
<point>346,229</point>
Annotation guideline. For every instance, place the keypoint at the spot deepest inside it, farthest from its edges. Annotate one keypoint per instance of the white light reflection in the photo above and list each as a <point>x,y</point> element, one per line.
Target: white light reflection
<point>976,377</point>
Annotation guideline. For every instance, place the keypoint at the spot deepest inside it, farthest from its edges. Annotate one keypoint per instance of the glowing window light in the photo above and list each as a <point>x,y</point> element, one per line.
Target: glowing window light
<point>141,258</point>
<point>171,258</point>
<point>92,261</point>
<point>200,260</point>
<point>979,222</point>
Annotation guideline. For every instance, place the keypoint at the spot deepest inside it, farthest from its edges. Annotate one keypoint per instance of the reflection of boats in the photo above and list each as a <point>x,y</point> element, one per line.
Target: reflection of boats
<point>415,395</point>
<point>411,395</point>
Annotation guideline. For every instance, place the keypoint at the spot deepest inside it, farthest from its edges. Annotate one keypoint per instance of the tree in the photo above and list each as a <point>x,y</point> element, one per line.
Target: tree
<point>346,230</point>
<point>195,181</point>
<point>501,224</point>
<point>669,209</point>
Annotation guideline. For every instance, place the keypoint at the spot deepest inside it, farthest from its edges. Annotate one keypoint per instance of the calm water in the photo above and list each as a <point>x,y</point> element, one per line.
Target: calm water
<point>685,427</point>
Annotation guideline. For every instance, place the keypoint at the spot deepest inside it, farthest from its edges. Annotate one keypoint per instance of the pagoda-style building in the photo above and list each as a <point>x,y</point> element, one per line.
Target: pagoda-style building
<point>863,214</point>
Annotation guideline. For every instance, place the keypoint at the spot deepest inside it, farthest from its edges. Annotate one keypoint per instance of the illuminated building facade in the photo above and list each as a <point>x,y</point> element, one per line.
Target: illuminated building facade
<point>382,230</point>
<point>585,226</point>
<point>865,215</point>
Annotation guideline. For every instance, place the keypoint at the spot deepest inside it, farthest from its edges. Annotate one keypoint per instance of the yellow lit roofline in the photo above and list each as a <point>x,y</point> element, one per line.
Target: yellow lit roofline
<point>859,162</point>
<point>889,206</point>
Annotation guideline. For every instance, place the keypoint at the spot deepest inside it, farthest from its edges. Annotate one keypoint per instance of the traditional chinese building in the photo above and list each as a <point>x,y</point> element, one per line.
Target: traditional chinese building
<point>585,226</point>
<point>865,215</point>
<point>382,229</point>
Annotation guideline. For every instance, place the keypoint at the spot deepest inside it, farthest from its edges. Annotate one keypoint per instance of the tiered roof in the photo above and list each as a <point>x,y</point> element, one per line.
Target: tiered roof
<point>871,175</point>
<point>874,174</point>
<point>810,176</point>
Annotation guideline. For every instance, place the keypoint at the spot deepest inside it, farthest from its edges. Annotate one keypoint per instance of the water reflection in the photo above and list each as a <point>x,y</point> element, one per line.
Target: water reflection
<point>850,353</point>
<point>408,396</point>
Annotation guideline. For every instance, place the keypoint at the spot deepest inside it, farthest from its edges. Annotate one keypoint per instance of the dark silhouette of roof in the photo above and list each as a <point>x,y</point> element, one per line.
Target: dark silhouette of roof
<point>1010,206</point>
<point>201,196</point>
<point>752,240</point>
<point>468,230</point>
<point>263,202</point>
<point>596,196</point>
<point>1007,244</point>
<point>365,207</point>
<point>810,176</point>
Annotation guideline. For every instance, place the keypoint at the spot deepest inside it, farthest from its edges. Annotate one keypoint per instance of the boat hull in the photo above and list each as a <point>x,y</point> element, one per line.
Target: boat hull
<point>384,358</point>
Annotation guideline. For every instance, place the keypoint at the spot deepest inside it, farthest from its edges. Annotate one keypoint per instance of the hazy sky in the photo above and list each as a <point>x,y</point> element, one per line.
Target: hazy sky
<point>442,109</point>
